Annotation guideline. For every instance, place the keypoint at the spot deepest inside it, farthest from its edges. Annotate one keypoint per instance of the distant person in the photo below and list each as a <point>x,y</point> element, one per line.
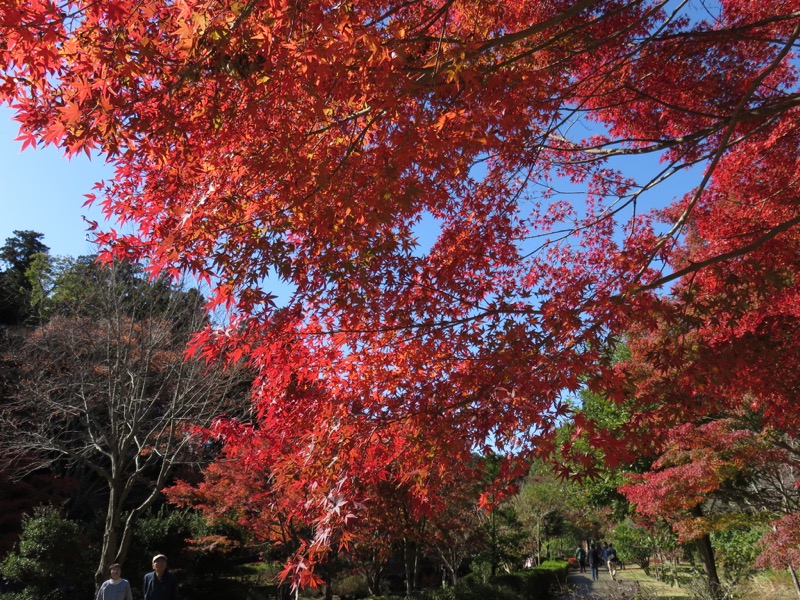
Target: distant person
<point>611,560</point>
<point>580,554</point>
<point>595,559</point>
<point>160,584</point>
<point>115,588</point>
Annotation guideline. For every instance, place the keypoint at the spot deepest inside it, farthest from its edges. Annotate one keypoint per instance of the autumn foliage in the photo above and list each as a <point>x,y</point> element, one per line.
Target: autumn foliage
<point>427,219</point>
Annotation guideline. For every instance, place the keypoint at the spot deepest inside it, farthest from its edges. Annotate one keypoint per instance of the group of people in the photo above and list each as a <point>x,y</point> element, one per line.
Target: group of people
<point>596,555</point>
<point>159,584</point>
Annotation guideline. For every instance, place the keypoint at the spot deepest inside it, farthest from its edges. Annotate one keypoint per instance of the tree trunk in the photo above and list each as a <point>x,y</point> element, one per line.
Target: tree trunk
<point>452,572</point>
<point>794,580</point>
<point>494,544</point>
<point>283,591</point>
<point>108,553</point>
<point>417,570</point>
<point>327,575</point>
<point>374,582</point>
<point>707,556</point>
<point>409,557</point>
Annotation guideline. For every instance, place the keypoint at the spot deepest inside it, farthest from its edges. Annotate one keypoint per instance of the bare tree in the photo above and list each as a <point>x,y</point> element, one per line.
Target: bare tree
<point>106,385</point>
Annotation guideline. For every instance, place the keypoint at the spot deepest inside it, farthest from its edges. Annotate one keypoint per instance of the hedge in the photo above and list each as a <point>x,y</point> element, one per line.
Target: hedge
<point>537,583</point>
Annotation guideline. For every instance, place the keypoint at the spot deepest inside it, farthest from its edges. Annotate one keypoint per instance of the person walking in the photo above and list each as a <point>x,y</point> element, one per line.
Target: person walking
<point>580,554</point>
<point>115,588</point>
<point>594,561</point>
<point>160,584</point>
<point>611,559</point>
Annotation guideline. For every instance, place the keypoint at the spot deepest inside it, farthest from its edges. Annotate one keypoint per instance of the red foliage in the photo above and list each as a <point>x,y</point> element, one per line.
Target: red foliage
<point>305,142</point>
<point>782,544</point>
<point>703,462</point>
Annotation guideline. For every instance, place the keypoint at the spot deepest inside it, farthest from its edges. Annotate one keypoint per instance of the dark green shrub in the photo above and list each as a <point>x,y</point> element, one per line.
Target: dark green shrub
<point>221,589</point>
<point>351,587</point>
<point>49,562</point>
<point>541,582</point>
<point>472,590</point>
<point>512,581</point>
<point>195,548</point>
<point>634,544</point>
<point>736,551</point>
<point>164,532</point>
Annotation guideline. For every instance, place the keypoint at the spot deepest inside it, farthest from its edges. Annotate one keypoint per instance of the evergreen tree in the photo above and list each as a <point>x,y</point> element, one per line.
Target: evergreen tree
<point>18,253</point>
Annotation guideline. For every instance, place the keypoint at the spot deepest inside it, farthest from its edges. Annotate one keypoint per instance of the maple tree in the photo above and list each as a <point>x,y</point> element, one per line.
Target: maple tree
<point>104,388</point>
<point>307,142</point>
<point>703,397</point>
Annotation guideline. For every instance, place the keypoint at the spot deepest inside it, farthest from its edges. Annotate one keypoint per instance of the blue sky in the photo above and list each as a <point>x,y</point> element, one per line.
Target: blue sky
<point>43,191</point>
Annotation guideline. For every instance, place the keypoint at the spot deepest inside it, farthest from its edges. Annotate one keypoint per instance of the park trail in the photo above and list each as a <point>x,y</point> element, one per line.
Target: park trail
<point>629,582</point>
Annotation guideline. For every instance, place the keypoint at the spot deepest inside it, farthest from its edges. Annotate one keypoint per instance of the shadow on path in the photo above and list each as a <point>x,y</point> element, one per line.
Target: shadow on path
<point>582,587</point>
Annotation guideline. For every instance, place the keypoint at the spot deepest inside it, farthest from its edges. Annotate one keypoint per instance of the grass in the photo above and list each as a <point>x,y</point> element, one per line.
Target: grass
<point>775,585</point>
<point>656,589</point>
<point>632,584</point>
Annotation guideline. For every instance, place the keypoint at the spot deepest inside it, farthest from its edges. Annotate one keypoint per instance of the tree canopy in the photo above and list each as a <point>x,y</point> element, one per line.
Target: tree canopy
<point>307,142</point>
<point>19,253</point>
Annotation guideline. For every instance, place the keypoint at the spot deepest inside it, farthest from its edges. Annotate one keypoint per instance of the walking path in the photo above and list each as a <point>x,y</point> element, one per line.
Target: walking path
<point>629,582</point>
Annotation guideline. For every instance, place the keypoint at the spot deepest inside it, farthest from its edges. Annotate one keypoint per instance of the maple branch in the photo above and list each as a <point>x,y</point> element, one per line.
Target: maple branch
<point>696,266</point>
<point>439,44</point>
<point>733,121</point>
<point>510,38</point>
<point>572,31</point>
<point>615,208</point>
<point>442,10</point>
<point>342,121</point>
<point>656,145</point>
<point>392,11</point>
<point>428,325</point>
<point>428,73</point>
<point>722,33</point>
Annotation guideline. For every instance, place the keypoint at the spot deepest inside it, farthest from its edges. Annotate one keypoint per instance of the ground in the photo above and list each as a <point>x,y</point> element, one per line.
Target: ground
<point>630,583</point>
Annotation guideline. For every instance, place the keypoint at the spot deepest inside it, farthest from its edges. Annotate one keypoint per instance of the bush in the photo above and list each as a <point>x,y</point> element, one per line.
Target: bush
<point>351,587</point>
<point>49,562</point>
<point>164,532</point>
<point>472,589</point>
<point>542,580</point>
<point>633,544</point>
<point>537,583</point>
<point>736,551</point>
<point>196,548</point>
<point>223,589</point>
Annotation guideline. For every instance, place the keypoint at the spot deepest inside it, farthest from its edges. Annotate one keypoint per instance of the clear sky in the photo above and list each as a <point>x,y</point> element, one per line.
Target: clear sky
<point>42,191</point>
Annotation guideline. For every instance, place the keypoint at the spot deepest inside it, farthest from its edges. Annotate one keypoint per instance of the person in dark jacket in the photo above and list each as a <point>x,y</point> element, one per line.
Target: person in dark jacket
<point>611,561</point>
<point>595,559</point>
<point>160,584</point>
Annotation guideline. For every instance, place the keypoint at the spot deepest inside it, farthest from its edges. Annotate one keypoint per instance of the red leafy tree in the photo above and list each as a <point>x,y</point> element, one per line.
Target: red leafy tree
<point>283,493</point>
<point>782,546</point>
<point>305,142</point>
<point>704,393</point>
<point>715,476</point>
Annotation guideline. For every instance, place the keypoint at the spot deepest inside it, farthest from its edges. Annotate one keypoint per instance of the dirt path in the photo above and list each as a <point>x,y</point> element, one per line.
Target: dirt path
<point>629,582</point>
